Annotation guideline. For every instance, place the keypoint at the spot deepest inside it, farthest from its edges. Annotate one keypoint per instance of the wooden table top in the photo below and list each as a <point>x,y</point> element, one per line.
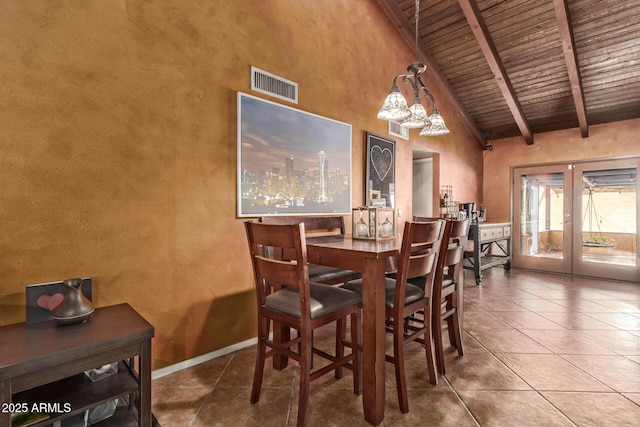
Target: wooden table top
<point>25,346</point>
<point>361,247</point>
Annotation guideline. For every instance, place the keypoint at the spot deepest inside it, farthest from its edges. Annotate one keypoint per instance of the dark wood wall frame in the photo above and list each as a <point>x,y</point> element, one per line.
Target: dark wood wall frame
<point>380,169</point>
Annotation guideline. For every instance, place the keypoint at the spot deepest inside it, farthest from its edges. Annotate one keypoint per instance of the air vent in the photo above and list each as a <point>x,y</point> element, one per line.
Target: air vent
<point>399,131</point>
<point>270,84</point>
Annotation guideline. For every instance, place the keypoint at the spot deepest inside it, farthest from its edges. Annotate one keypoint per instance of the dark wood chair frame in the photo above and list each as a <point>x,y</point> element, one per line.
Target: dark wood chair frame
<point>449,278</point>
<point>273,274</point>
<point>412,321</point>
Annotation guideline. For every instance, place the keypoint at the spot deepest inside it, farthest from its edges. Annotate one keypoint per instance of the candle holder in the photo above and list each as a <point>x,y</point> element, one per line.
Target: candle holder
<point>370,223</point>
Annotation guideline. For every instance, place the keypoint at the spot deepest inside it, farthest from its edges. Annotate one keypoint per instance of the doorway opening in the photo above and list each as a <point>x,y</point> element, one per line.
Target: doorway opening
<point>423,182</point>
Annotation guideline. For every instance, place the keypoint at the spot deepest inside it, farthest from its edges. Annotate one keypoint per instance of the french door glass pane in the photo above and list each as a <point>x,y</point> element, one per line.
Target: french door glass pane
<point>609,216</point>
<point>542,215</point>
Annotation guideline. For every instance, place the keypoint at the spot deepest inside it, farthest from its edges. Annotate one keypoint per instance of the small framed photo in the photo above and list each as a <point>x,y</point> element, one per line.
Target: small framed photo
<point>42,298</point>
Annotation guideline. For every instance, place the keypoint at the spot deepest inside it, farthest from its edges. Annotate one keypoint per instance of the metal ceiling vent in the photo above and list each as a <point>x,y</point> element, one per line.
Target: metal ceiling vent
<point>396,130</point>
<point>270,84</point>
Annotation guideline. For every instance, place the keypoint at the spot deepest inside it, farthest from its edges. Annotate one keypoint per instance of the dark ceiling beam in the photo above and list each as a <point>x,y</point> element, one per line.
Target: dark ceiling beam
<point>480,31</point>
<point>569,49</point>
<point>400,21</point>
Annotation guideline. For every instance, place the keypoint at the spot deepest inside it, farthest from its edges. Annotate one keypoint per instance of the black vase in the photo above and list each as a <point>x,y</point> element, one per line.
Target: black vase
<point>75,307</point>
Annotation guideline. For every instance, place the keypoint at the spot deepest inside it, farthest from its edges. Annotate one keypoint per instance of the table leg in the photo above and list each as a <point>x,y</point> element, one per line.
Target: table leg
<point>145,383</point>
<point>373,340</point>
<point>5,398</point>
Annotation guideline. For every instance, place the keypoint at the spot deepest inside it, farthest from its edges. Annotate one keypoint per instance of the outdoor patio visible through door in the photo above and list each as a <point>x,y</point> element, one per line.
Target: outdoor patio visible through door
<point>578,218</point>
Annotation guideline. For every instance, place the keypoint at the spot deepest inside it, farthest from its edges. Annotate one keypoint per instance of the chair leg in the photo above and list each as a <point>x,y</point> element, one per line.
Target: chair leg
<point>356,343</point>
<point>260,359</point>
<point>455,330</point>
<point>430,353</point>
<point>341,332</point>
<point>305,380</point>
<point>436,327</point>
<point>398,358</point>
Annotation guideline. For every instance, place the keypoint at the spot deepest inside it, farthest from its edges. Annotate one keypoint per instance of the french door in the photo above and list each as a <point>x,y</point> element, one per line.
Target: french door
<point>578,218</point>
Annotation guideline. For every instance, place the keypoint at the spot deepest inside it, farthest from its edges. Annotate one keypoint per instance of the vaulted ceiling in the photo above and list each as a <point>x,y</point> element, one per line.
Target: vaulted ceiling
<point>521,67</point>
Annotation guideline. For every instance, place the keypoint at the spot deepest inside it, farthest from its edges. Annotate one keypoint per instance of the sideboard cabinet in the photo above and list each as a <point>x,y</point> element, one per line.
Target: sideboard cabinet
<point>42,367</point>
<point>491,247</point>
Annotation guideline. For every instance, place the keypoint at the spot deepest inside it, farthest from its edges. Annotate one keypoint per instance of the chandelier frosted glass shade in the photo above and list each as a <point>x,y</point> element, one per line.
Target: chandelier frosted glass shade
<point>437,126</point>
<point>395,106</point>
<point>418,117</point>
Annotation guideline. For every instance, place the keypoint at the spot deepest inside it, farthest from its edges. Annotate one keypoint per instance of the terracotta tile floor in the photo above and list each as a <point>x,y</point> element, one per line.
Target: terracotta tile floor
<point>540,350</point>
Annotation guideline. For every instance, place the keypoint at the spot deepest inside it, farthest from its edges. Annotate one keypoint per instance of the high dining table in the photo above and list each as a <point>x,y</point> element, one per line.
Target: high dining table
<point>370,258</point>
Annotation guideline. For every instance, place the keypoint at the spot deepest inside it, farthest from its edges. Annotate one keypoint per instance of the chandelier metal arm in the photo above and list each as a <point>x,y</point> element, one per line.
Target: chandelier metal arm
<point>404,77</point>
<point>413,81</point>
<point>429,94</point>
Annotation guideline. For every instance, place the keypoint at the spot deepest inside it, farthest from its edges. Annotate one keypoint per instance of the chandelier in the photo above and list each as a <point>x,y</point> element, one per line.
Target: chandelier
<point>396,109</point>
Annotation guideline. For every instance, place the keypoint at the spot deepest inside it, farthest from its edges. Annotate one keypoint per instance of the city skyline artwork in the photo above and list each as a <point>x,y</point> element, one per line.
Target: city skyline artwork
<point>291,162</point>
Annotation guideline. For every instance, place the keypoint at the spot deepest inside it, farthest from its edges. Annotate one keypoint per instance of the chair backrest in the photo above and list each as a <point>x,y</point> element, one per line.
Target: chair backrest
<point>313,225</point>
<point>457,238</point>
<point>452,253</point>
<point>418,255</point>
<point>456,234</point>
<point>391,263</point>
<point>424,218</point>
<point>266,244</point>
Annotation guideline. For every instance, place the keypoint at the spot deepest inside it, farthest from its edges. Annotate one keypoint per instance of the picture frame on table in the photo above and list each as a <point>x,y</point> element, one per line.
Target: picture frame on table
<point>380,171</point>
<point>42,298</point>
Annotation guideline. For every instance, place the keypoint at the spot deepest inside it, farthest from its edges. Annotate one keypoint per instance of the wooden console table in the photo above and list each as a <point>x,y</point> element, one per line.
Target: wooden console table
<point>44,364</point>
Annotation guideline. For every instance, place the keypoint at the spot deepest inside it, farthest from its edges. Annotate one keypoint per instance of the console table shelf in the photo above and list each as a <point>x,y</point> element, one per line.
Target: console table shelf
<point>45,363</point>
<point>79,392</point>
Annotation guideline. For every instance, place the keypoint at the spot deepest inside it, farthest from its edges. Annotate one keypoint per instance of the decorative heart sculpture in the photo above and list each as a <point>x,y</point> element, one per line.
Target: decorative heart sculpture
<point>49,302</point>
<point>382,160</point>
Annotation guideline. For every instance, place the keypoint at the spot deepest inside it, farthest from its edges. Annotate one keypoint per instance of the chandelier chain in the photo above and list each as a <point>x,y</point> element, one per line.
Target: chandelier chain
<point>417,16</point>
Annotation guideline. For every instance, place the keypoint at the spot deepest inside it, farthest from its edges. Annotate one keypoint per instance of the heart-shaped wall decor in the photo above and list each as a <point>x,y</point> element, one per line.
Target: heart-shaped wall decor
<point>49,302</point>
<point>382,160</point>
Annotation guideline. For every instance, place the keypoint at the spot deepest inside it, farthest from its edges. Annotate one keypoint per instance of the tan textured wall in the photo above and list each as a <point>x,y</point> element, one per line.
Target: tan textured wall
<point>118,145</point>
<point>605,141</point>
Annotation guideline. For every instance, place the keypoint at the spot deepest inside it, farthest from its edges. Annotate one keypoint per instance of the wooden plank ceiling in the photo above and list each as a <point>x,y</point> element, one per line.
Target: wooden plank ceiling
<point>521,67</point>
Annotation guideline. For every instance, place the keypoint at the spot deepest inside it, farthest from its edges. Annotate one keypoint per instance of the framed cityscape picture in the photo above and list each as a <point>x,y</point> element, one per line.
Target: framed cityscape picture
<point>291,162</point>
<point>380,171</point>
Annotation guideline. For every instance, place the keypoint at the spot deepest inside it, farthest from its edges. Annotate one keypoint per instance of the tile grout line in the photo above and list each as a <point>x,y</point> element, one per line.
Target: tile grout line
<point>213,388</point>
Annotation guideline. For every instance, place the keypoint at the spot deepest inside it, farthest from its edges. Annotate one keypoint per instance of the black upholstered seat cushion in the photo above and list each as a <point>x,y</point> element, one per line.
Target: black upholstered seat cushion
<point>324,300</point>
<point>420,281</point>
<point>447,281</point>
<point>412,292</point>
<point>325,274</point>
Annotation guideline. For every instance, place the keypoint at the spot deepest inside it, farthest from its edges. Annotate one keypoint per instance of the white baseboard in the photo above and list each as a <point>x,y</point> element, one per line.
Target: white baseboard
<point>159,373</point>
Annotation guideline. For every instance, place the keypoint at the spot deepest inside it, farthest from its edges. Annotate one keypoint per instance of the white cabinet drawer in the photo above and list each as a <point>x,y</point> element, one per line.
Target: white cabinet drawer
<point>506,231</point>
<point>490,233</point>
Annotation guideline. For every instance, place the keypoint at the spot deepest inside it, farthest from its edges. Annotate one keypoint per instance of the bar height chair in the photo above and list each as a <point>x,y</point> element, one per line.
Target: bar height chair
<point>285,295</point>
<point>407,306</point>
<point>447,288</point>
